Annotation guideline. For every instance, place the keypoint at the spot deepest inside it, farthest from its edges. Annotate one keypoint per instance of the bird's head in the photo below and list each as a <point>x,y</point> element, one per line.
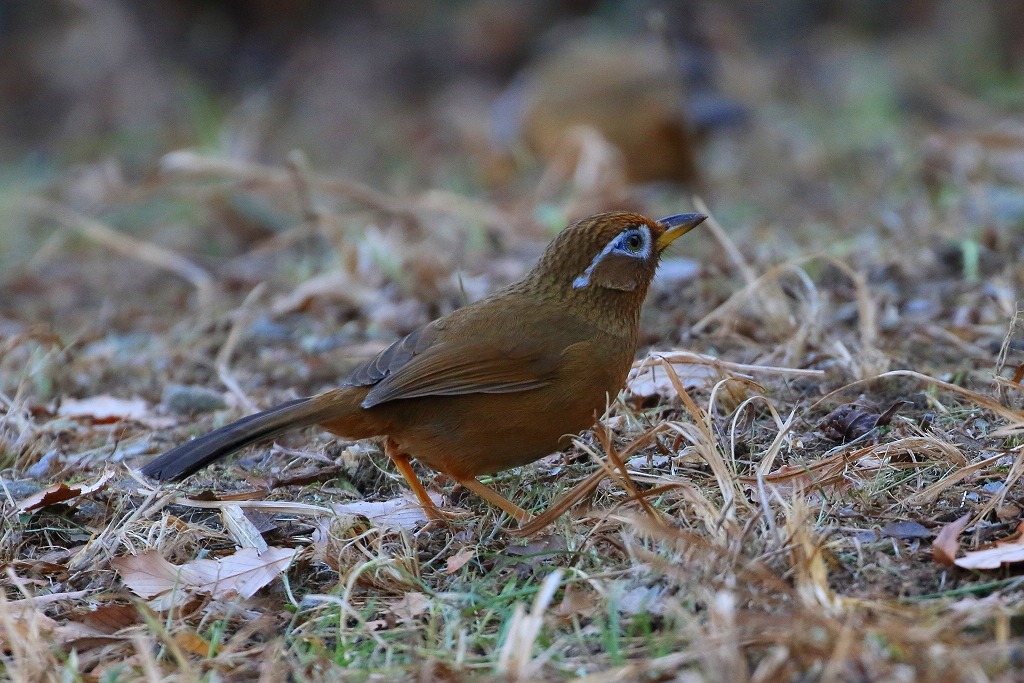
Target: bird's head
<point>611,252</point>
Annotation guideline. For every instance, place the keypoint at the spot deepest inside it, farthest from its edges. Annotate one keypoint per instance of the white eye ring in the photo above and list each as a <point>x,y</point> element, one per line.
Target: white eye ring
<point>619,245</point>
<point>634,242</point>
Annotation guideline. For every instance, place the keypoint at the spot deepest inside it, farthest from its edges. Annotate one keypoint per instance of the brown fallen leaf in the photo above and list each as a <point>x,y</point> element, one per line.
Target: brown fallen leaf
<point>459,559</point>
<point>851,421</point>
<point>59,493</point>
<point>947,543</point>
<point>410,606</point>
<point>24,620</point>
<point>905,530</point>
<point>111,618</point>
<point>193,643</point>
<point>17,622</point>
<point>532,557</point>
<point>577,603</point>
<point>150,576</point>
<point>1018,374</point>
<point>1006,551</point>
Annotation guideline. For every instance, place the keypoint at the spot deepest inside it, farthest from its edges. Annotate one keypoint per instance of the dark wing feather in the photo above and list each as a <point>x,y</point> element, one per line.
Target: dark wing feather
<point>421,364</point>
<point>393,358</point>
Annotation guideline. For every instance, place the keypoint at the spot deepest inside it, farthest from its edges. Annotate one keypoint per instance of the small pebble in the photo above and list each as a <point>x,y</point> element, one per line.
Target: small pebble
<point>189,399</point>
<point>266,329</point>
<point>993,487</point>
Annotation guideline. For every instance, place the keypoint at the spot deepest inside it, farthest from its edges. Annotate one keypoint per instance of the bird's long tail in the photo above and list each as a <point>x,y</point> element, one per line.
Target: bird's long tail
<point>190,457</point>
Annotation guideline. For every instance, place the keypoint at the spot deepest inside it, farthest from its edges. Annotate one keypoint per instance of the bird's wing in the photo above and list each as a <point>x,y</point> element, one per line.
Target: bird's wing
<point>429,362</point>
<point>393,358</point>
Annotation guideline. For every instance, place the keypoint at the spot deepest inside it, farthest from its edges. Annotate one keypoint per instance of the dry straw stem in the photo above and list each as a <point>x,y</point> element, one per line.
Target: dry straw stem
<point>100,548</point>
<point>724,656</point>
<point>732,251</point>
<point>680,357</point>
<point>866,306</point>
<point>269,506</point>
<point>771,304</point>
<point>561,505</point>
<point>658,668</point>
<point>618,469</point>
<point>26,653</point>
<point>929,494</point>
<point>190,163</point>
<point>784,426</point>
<point>1016,417</point>
<point>1012,477</point>
<point>128,246</point>
<point>803,625</point>
<point>931,446</point>
<point>697,559</point>
<point>808,561</point>
<point>516,661</point>
<point>242,317</point>
<point>701,434</point>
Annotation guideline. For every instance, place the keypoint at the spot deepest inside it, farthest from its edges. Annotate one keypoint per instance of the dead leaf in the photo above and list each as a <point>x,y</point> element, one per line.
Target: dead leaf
<point>111,618</point>
<point>1006,551</point>
<point>530,558</point>
<point>906,529</point>
<point>643,600</point>
<point>577,603</point>
<point>150,576</point>
<point>1018,374</point>
<point>397,513</point>
<point>59,493</point>
<point>947,543</point>
<point>851,421</point>
<point>20,624</point>
<point>652,380</point>
<point>459,559</point>
<point>192,642</point>
<point>410,606</point>
<point>104,408</point>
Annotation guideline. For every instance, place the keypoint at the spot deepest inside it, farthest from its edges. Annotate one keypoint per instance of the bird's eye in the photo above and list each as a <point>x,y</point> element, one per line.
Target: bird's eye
<point>634,242</point>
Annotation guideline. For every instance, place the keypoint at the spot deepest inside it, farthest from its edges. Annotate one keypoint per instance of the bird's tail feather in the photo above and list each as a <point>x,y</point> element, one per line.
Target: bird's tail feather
<point>192,456</point>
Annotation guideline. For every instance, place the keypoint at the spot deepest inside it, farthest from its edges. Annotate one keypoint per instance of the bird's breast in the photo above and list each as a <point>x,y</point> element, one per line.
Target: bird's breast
<point>475,434</point>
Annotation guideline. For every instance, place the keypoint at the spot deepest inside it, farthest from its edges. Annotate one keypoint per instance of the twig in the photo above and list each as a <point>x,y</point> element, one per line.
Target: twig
<point>731,250</point>
<point>689,358</point>
<point>243,315</point>
<point>128,246</point>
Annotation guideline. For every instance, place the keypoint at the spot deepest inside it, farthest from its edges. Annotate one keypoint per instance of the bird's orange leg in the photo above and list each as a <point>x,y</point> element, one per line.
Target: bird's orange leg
<point>401,461</point>
<point>495,498</point>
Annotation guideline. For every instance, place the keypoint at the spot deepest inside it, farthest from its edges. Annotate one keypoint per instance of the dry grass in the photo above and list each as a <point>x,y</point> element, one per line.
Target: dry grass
<point>721,524</point>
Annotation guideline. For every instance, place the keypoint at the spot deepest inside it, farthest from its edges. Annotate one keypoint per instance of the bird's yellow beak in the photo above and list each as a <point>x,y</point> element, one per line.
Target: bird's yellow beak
<point>677,226</point>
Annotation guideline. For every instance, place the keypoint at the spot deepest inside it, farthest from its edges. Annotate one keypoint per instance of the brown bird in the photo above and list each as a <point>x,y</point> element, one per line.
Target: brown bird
<point>496,384</point>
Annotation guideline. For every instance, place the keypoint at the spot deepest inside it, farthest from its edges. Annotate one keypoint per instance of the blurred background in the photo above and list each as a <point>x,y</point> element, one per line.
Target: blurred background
<point>886,133</point>
<point>477,94</point>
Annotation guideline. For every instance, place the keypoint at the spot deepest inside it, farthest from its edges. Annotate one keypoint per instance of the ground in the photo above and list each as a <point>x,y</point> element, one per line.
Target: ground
<point>808,475</point>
